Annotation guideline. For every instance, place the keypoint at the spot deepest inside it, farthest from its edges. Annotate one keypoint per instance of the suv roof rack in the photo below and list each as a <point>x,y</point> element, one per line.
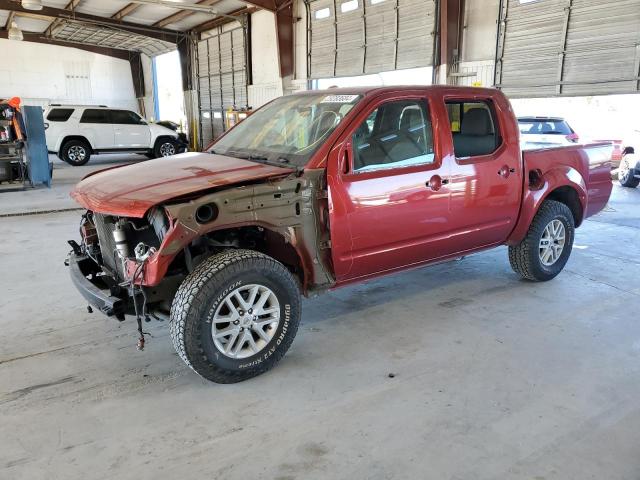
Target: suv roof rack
<point>74,105</point>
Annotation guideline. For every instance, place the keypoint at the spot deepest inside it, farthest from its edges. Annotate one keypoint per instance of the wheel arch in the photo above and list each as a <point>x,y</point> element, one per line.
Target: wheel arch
<point>271,242</point>
<point>162,138</point>
<point>563,184</point>
<point>68,138</point>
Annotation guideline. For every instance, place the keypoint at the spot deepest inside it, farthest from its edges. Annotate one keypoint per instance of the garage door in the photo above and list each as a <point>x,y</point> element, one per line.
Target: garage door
<point>356,37</point>
<point>569,47</point>
<point>222,79</point>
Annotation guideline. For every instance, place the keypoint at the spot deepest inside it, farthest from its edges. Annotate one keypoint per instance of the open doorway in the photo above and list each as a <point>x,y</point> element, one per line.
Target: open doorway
<point>167,86</point>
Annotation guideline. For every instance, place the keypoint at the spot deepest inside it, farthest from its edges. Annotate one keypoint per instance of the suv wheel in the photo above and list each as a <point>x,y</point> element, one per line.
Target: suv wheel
<point>235,316</point>
<point>165,148</point>
<point>75,152</point>
<point>625,175</point>
<point>545,250</point>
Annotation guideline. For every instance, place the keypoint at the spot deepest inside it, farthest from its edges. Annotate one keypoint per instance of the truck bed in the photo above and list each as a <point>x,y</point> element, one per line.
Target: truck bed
<point>588,164</point>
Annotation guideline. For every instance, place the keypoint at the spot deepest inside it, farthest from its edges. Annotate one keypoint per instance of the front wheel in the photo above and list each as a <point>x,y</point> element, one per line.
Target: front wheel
<point>235,316</point>
<point>626,175</point>
<point>165,148</point>
<point>545,250</point>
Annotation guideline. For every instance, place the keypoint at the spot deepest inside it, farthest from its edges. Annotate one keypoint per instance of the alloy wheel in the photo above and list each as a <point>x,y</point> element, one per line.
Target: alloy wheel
<point>77,153</point>
<point>245,321</point>
<point>167,149</point>
<point>552,242</point>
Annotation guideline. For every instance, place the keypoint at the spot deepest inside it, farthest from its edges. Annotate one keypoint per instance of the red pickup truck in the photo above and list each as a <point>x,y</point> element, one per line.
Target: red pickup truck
<point>315,191</point>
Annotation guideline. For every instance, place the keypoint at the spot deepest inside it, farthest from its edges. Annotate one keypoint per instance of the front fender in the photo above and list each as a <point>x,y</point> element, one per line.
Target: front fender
<point>539,191</point>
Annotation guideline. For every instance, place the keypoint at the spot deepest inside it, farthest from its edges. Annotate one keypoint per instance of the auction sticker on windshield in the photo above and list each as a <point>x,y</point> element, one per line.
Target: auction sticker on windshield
<point>339,98</point>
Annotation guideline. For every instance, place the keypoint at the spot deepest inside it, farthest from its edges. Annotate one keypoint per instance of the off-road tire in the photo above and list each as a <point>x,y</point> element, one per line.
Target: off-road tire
<point>205,288</point>
<point>158,151</point>
<point>525,257</point>
<point>67,148</point>
<point>629,181</point>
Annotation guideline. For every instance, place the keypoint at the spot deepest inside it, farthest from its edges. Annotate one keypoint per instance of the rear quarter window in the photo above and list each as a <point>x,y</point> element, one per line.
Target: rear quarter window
<point>60,114</point>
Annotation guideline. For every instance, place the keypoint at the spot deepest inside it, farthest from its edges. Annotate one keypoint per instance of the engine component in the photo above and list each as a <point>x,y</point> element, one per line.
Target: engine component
<point>89,233</point>
<point>120,239</point>
<point>142,252</point>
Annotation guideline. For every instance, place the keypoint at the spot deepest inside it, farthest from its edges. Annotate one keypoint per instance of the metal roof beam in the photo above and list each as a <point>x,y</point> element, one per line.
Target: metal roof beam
<point>182,14</point>
<point>126,10</point>
<point>10,19</point>
<point>40,38</point>
<point>50,12</point>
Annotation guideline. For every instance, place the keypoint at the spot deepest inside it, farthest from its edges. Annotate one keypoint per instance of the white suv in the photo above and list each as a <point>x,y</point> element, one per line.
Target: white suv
<point>75,132</point>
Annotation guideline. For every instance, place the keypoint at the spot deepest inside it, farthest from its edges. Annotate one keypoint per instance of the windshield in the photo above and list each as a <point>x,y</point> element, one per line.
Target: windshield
<point>288,130</point>
<point>544,127</point>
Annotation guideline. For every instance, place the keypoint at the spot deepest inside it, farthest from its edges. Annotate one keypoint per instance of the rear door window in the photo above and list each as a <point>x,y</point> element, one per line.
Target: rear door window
<point>474,128</point>
<point>125,117</point>
<point>60,114</point>
<point>95,115</point>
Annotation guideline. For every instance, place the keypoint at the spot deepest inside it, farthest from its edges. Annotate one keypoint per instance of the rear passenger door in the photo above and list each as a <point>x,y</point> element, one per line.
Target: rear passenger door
<point>486,181</point>
<point>95,125</point>
<point>388,191</point>
<point>130,130</point>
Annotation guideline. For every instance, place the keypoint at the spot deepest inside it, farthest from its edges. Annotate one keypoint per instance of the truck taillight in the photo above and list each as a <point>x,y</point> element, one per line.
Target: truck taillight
<point>573,137</point>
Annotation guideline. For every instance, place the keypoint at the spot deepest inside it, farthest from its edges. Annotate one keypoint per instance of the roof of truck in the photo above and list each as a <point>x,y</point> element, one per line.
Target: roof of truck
<point>398,88</point>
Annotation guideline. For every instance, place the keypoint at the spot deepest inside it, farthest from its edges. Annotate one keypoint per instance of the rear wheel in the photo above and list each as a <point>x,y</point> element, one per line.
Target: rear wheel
<point>545,250</point>
<point>235,316</point>
<point>625,175</point>
<point>75,152</point>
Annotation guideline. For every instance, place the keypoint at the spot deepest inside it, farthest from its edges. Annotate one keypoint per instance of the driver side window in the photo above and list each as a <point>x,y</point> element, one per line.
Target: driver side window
<point>396,134</point>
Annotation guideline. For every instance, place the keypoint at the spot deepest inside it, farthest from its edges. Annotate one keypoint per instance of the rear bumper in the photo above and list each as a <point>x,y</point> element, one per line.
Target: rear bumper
<point>95,291</point>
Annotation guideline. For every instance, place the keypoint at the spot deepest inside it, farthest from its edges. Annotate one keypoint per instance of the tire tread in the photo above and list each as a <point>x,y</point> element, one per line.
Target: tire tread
<point>228,262</point>
<point>522,257</point>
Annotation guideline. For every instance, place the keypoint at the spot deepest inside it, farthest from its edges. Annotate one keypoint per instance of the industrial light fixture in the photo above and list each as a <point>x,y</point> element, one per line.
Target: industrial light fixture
<point>32,4</point>
<point>15,33</point>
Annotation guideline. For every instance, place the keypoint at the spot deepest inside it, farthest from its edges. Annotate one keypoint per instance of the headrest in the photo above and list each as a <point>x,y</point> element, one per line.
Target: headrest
<point>362,131</point>
<point>477,122</point>
<point>411,118</point>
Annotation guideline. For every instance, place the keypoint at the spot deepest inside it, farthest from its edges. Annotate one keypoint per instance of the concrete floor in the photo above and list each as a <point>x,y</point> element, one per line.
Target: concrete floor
<point>495,378</point>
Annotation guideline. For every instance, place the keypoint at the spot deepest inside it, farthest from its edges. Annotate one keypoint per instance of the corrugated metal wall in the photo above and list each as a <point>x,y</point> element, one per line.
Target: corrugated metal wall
<point>569,47</point>
<point>356,37</point>
<point>222,79</point>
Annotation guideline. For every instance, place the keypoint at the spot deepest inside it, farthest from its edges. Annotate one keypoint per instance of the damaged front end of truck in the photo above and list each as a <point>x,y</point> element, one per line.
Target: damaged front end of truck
<point>134,266</point>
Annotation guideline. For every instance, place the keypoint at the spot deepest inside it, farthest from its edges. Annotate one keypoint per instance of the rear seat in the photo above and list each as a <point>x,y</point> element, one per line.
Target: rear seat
<point>476,135</point>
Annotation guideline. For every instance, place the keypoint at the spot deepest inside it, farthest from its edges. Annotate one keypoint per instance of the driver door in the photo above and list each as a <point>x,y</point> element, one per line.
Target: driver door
<point>388,195</point>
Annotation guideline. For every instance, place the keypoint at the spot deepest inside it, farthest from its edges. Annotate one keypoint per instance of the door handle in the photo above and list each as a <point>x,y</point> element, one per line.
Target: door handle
<point>435,183</point>
<point>505,171</point>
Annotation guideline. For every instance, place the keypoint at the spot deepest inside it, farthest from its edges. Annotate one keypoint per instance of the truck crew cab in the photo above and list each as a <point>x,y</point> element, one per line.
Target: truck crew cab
<point>315,191</point>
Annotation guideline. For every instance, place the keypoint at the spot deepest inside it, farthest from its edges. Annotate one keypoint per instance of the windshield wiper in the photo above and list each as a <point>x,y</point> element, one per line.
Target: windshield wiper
<point>281,162</point>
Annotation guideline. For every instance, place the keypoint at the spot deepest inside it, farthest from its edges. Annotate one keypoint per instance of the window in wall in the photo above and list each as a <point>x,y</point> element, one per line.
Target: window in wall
<point>322,13</point>
<point>59,114</point>
<point>473,127</point>
<point>349,6</point>
<point>94,115</point>
<point>396,134</point>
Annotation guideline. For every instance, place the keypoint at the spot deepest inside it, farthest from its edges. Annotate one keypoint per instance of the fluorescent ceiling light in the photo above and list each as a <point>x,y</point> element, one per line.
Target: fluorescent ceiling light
<point>32,4</point>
